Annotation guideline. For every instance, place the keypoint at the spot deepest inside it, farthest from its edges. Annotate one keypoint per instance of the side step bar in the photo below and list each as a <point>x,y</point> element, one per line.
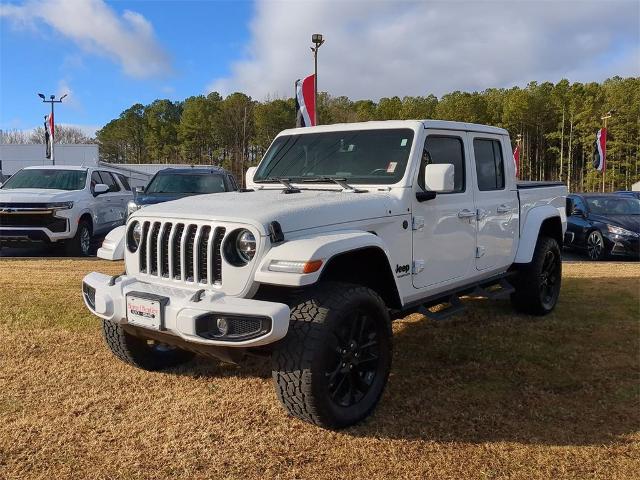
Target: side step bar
<point>492,290</point>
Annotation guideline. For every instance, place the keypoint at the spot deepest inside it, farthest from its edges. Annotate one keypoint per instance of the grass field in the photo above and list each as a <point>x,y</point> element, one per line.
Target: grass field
<point>487,394</point>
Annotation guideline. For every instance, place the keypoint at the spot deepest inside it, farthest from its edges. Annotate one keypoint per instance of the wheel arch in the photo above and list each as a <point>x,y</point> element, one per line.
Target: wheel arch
<point>544,220</point>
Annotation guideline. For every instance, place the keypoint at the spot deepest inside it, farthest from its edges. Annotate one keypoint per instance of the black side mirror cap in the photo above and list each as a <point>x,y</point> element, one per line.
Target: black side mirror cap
<point>424,196</point>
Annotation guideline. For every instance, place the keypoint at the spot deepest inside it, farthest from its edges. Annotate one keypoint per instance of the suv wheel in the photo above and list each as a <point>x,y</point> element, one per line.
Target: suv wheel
<point>595,246</point>
<point>141,353</point>
<point>537,283</point>
<point>80,244</point>
<point>332,367</point>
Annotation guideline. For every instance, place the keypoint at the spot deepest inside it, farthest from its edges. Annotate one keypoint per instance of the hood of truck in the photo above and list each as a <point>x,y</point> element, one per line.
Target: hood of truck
<point>35,195</point>
<point>294,211</point>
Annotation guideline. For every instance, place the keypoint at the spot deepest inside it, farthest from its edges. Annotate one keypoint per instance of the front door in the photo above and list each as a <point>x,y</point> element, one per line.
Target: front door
<point>444,235</point>
<point>496,201</point>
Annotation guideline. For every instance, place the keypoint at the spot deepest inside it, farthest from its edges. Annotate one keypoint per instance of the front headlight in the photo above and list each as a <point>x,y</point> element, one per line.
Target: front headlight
<point>132,207</point>
<point>246,245</point>
<point>134,235</point>
<point>621,231</point>
<point>60,205</point>
<point>240,247</point>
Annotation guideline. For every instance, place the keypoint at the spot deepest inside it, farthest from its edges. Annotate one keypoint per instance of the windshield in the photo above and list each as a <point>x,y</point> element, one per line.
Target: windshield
<point>359,156</point>
<point>186,183</point>
<point>49,179</point>
<point>614,206</point>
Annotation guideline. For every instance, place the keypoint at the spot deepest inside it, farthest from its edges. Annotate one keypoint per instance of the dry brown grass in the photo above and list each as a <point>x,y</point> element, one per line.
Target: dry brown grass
<point>484,395</point>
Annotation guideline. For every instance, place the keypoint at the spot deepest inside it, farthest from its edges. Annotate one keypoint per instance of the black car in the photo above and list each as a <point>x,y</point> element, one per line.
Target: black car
<point>603,225</point>
<point>174,183</point>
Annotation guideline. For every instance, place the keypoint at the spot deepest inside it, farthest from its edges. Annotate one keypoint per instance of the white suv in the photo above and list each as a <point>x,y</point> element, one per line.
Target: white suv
<point>55,204</point>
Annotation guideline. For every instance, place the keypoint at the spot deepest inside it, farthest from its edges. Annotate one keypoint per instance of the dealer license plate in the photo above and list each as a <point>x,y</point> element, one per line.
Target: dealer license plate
<point>146,311</point>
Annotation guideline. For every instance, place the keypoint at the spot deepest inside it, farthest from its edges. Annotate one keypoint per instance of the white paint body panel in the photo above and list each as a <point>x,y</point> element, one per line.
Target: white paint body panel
<point>113,245</point>
<point>323,221</point>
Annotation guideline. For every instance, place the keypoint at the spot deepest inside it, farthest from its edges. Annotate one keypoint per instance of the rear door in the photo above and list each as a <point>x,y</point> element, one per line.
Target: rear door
<point>444,231</point>
<point>496,201</point>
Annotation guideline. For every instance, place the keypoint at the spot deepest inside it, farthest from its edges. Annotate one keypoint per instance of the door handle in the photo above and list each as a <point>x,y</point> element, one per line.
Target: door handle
<point>466,213</point>
<point>504,208</point>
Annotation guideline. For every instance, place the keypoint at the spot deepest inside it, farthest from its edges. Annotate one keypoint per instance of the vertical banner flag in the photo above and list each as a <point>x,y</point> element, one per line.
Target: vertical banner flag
<point>47,137</point>
<point>306,102</point>
<point>600,151</point>
<point>516,159</point>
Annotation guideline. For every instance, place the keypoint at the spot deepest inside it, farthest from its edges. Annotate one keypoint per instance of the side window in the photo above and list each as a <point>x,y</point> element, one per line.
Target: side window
<point>442,149</point>
<point>108,180</point>
<point>578,203</point>
<point>489,164</point>
<point>124,182</point>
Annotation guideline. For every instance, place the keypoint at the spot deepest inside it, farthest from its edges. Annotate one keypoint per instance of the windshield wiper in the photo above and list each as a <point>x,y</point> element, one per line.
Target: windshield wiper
<point>288,188</point>
<point>338,181</point>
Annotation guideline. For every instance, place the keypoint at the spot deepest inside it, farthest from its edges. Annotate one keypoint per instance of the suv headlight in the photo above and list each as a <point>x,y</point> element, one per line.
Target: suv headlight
<point>240,247</point>
<point>621,231</point>
<point>134,235</point>
<point>132,207</point>
<point>60,205</point>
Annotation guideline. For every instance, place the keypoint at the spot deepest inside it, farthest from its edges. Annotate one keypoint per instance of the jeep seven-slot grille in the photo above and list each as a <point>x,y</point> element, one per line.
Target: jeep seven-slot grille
<point>188,252</point>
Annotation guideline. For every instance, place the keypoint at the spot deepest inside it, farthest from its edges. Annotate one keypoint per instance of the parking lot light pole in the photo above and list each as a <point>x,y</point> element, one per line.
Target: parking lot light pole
<point>317,39</point>
<point>52,100</point>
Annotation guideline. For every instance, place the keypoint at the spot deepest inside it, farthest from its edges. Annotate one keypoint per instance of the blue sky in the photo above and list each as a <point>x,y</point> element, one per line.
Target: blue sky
<point>200,38</point>
<point>110,55</point>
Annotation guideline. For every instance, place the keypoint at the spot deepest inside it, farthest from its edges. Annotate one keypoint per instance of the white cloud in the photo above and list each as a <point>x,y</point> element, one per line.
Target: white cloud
<point>95,27</point>
<point>384,48</point>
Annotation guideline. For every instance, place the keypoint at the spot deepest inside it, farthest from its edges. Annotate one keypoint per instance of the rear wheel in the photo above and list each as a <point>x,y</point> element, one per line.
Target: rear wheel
<point>142,353</point>
<point>332,367</point>
<point>595,246</point>
<point>538,283</point>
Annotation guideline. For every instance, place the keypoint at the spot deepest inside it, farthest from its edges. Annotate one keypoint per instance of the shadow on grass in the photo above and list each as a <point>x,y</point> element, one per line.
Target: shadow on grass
<point>489,375</point>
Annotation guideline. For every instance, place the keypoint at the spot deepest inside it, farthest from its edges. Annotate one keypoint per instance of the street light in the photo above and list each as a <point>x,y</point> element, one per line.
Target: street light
<point>317,39</point>
<point>52,100</point>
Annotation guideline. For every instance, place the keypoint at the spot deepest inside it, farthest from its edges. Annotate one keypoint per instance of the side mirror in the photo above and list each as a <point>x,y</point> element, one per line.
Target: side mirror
<point>139,189</point>
<point>439,177</point>
<point>577,213</point>
<point>99,189</point>
<point>248,177</point>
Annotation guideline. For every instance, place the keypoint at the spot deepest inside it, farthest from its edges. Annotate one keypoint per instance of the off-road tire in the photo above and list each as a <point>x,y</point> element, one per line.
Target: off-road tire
<point>139,352</point>
<point>314,352</point>
<point>80,244</point>
<point>537,284</point>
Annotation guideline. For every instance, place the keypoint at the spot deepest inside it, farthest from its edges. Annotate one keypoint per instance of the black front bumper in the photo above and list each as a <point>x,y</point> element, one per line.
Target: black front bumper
<point>17,238</point>
<point>623,246</point>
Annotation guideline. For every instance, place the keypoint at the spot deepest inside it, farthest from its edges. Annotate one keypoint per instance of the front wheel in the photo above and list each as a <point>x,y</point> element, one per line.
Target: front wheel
<point>595,246</point>
<point>141,353</point>
<point>80,244</point>
<point>537,283</point>
<point>333,365</point>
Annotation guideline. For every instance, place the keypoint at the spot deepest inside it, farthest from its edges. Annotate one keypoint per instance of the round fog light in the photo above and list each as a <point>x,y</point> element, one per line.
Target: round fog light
<point>223,325</point>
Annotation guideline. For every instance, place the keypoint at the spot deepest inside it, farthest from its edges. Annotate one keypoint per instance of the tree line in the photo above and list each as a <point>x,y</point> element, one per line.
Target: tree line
<point>64,134</point>
<point>555,122</point>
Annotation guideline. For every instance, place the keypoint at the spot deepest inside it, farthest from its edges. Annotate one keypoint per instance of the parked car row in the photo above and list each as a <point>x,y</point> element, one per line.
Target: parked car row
<point>68,205</point>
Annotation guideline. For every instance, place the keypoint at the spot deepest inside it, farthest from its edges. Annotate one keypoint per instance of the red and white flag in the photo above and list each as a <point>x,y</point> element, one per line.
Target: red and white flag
<point>306,102</point>
<point>600,151</point>
<point>50,121</point>
<point>516,159</point>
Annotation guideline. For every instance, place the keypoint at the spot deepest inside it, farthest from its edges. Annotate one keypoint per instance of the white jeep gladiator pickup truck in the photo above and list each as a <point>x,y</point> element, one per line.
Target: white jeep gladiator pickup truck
<point>345,228</point>
<point>62,205</point>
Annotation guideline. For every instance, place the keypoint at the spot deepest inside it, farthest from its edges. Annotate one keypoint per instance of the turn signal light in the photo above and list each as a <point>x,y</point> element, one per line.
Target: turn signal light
<point>289,266</point>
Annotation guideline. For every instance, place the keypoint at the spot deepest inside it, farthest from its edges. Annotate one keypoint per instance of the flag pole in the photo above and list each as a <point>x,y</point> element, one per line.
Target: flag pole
<point>604,118</point>
<point>52,100</point>
<point>317,39</point>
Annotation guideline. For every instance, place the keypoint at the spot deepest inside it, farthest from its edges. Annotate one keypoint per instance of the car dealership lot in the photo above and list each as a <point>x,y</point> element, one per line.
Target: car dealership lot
<point>485,394</point>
